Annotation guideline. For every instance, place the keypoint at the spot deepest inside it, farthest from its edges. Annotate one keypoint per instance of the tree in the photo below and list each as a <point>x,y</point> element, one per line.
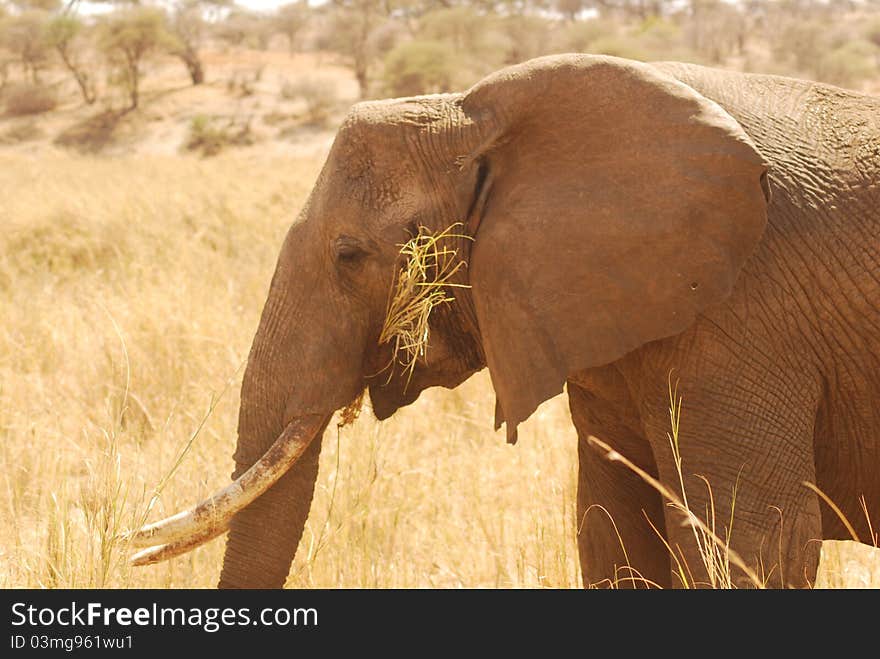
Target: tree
<point>640,9</point>
<point>128,36</point>
<point>478,39</point>
<point>420,67</point>
<point>63,33</point>
<point>25,36</point>
<point>462,27</point>
<point>245,28</point>
<point>41,5</point>
<point>872,33</point>
<point>353,24</point>
<point>290,19</point>
<point>4,73</point>
<point>188,27</point>
<point>528,36</point>
<point>571,8</point>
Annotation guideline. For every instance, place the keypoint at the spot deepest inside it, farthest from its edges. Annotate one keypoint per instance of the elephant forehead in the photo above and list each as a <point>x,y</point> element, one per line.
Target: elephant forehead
<point>372,168</point>
<point>359,167</point>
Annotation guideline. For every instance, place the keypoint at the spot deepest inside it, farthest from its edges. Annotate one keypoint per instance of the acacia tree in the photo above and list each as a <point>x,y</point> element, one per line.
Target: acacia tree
<point>353,24</point>
<point>4,63</point>
<point>290,19</point>
<point>188,28</point>
<point>571,8</point>
<point>128,36</point>
<point>242,27</point>
<point>24,35</point>
<point>640,9</point>
<point>63,34</point>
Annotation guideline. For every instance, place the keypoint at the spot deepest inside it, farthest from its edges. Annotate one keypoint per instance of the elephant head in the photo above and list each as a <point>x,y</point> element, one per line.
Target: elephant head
<point>597,204</point>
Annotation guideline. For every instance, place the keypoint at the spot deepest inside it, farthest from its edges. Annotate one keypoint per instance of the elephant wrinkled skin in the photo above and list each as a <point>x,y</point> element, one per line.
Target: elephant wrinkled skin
<point>633,224</point>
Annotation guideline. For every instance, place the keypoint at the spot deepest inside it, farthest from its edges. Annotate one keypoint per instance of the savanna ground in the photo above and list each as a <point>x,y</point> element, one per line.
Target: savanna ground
<point>130,288</point>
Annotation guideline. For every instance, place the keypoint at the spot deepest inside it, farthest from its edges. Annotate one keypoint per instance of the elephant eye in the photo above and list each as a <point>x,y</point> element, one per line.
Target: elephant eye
<point>349,250</point>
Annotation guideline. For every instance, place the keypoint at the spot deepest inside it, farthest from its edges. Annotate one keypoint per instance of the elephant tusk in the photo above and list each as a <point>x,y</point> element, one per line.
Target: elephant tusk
<point>161,553</point>
<point>212,516</point>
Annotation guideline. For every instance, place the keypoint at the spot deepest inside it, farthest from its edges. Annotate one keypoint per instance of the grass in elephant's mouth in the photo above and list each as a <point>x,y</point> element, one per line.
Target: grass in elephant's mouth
<point>179,253</point>
<point>430,263</point>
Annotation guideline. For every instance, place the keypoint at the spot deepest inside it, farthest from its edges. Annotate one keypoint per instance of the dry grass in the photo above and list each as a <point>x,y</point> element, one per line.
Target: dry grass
<point>712,542</point>
<point>129,293</point>
<point>430,263</point>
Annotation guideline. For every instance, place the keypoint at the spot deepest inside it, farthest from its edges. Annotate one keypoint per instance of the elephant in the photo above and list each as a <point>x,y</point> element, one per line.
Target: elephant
<point>619,226</point>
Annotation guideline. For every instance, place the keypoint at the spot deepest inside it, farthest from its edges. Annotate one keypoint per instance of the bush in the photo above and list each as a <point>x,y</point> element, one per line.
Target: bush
<point>849,64</point>
<point>320,95</point>
<point>24,36</point>
<point>659,39</point>
<point>579,36</point>
<point>527,36</point>
<point>462,27</point>
<point>420,67</point>
<point>802,41</point>
<point>22,132</point>
<point>92,134</point>
<point>25,98</point>
<point>244,82</point>
<point>619,46</point>
<point>208,136</point>
<point>872,32</point>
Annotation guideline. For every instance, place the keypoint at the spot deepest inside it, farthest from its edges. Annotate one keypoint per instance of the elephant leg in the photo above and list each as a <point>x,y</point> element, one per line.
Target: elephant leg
<point>616,543</point>
<point>264,536</point>
<point>746,431</point>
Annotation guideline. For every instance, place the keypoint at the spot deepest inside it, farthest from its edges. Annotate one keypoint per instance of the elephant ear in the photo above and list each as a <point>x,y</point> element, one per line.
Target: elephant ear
<point>614,204</point>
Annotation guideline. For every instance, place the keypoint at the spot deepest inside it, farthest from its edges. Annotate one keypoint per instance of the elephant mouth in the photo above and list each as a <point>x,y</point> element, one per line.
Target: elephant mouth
<point>386,399</point>
<point>205,521</point>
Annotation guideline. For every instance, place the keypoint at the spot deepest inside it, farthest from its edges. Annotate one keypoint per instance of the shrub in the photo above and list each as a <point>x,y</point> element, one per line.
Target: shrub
<point>245,28</point>
<point>24,35</point>
<point>656,38</point>
<point>209,136</point>
<point>527,36</point>
<point>579,36</point>
<point>872,32</point>
<point>619,46</point>
<point>92,134</point>
<point>289,20</point>
<point>849,64</point>
<point>26,98</point>
<point>320,95</point>
<point>21,132</point>
<point>351,32</point>
<point>420,67</point>
<point>462,27</point>
<point>802,41</point>
<point>244,82</point>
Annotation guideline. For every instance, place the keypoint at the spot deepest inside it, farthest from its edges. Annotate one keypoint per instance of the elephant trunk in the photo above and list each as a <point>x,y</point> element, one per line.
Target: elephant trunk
<point>264,536</point>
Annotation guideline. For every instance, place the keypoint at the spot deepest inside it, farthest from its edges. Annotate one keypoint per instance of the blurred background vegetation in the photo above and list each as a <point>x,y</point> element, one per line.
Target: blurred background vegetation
<point>103,54</point>
<point>152,157</point>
